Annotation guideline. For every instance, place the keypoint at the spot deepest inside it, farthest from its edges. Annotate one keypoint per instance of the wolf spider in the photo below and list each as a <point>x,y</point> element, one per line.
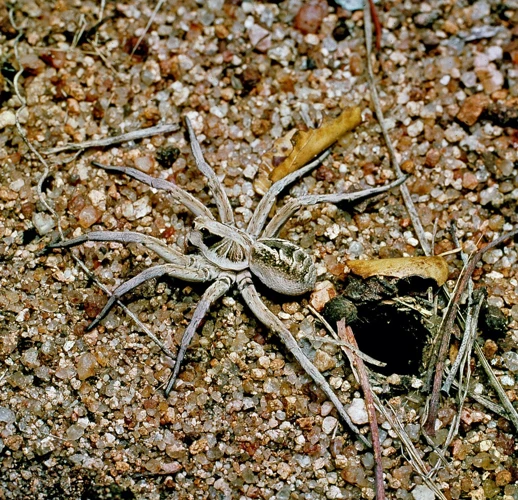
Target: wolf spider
<point>231,256</point>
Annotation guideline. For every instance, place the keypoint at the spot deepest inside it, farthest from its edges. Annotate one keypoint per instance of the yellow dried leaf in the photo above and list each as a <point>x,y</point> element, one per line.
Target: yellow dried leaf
<point>297,148</point>
<point>435,268</point>
<point>307,145</point>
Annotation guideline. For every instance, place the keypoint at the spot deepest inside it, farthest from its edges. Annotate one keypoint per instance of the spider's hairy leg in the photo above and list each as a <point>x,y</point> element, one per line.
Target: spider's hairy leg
<point>167,253</point>
<point>220,197</point>
<point>256,224</point>
<point>271,321</point>
<point>282,216</point>
<point>198,271</point>
<point>213,293</point>
<point>178,194</point>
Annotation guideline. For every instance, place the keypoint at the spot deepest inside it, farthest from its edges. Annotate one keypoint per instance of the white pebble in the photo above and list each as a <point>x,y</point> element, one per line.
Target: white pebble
<point>358,412</point>
<point>494,53</point>
<point>454,133</point>
<point>7,119</point>
<point>7,415</point>
<point>507,381</point>
<point>415,129</point>
<point>16,185</point>
<point>422,492</point>
<point>142,207</point>
<point>328,424</point>
<point>43,223</point>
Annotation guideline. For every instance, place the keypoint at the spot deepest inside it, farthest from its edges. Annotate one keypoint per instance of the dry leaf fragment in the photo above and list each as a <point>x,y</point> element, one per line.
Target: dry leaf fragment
<point>297,148</point>
<point>307,145</point>
<point>435,268</point>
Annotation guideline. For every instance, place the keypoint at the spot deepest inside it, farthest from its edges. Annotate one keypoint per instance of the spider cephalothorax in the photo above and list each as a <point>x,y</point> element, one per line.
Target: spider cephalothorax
<point>229,255</point>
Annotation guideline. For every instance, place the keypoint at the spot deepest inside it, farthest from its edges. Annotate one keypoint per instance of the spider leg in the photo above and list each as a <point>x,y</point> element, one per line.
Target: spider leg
<point>269,319</point>
<point>178,194</point>
<point>167,253</point>
<point>193,274</point>
<point>281,217</point>
<point>258,220</point>
<point>213,293</point>
<point>220,197</point>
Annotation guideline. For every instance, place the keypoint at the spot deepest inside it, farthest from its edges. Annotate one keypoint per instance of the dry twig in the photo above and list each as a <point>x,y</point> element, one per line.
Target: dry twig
<point>109,141</point>
<point>468,339</point>
<point>346,333</point>
<point>509,408</point>
<point>447,325</point>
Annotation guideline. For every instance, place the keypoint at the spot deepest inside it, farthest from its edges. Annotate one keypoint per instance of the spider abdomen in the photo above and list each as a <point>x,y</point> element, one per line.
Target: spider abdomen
<point>282,266</point>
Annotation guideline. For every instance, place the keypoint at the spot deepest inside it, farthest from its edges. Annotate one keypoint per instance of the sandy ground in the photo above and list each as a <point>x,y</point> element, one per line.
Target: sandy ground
<point>83,414</point>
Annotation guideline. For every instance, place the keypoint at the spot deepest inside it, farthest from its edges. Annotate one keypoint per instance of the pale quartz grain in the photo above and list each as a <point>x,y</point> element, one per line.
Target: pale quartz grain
<point>358,412</point>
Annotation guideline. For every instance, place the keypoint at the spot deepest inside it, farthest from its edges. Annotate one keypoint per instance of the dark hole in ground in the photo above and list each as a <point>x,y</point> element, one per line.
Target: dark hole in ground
<point>392,335</point>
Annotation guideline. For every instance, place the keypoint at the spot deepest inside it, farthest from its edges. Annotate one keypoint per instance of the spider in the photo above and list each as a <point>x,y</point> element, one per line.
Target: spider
<point>229,256</point>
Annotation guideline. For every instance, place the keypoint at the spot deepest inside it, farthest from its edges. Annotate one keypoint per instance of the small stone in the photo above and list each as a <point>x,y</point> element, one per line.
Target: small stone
<point>272,385</point>
<point>432,157</point>
<point>403,474</point>
<point>88,216</point>
<point>480,10</point>
<point>324,361</point>
<point>454,133</point>
<point>324,292</point>
<point>16,185</point>
<point>30,358</point>
<point>491,78</point>
<point>43,223</point>
<point>469,180</point>
<point>145,164</point>
<point>422,492</point>
<point>408,167</point>
<point>264,362</point>
<point>260,38</point>
<point>425,19</point>
<point>358,412</point>
<point>7,415</point>
<point>510,360</point>
<point>484,460</point>
<point>335,492</point>
<point>65,372</point>
<point>249,476</point>
<point>171,467</point>
<point>490,349</point>
<point>98,199</point>
<point>74,432</point>
<point>503,477</point>
<point>86,366</point>
<point>507,381</point>
<point>32,64</point>
<point>199,446</point>
<point>7,119</point>
<point>258,373</point>
<point>469,79</point>
<point>491,195</point>
<point>328,424</point>
<point>355,249</point>
<point>310,17</point>
<point>415,128</point>
<point>142,207</point>
<point>472,108</point>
